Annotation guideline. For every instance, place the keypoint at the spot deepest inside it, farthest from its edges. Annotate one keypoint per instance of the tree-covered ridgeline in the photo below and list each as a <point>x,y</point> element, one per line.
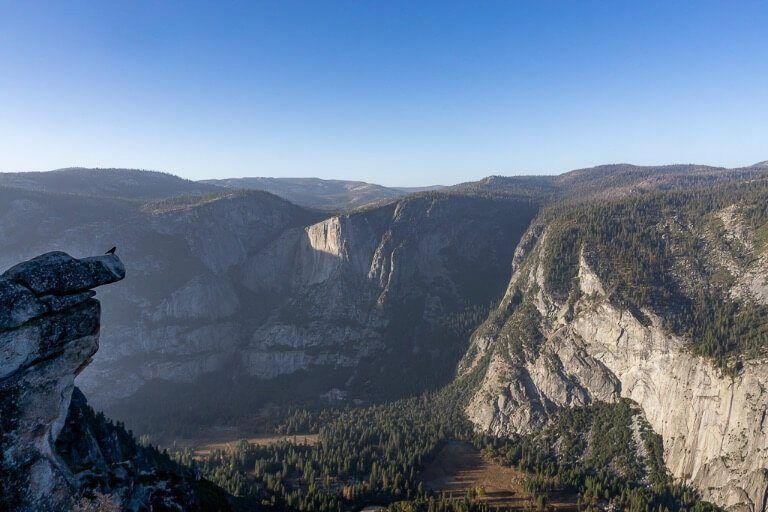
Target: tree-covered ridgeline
<point>659,251</point>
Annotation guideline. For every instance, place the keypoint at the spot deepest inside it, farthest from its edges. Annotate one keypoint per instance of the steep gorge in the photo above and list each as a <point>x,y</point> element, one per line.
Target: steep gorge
<point>236,290</point>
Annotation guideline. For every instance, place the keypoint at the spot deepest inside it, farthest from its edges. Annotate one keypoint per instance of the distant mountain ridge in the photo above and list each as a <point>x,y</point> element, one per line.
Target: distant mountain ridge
<point>611,180</point>
<point>134,184</point>
<point>320,193</point>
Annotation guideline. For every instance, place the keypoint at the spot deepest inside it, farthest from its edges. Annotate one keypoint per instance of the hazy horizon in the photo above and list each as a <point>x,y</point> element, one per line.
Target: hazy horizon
<point>393,185</point>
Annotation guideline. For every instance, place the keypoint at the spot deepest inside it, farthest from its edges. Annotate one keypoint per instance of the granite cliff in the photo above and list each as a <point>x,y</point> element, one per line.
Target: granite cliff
<point>239,290</point>
<point>374,304</point>
<point>56,451</point>
<point>568,334</point>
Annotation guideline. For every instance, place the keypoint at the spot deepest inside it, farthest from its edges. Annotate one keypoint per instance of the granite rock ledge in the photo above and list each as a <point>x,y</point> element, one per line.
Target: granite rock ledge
<point>49,331</point>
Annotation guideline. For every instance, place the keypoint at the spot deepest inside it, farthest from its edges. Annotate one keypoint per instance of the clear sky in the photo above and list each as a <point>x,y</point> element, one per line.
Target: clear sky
<point>399,93</point>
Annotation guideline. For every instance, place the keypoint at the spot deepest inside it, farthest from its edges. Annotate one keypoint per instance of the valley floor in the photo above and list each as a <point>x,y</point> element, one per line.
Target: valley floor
<point>223,438</point>
<point>460,468</point>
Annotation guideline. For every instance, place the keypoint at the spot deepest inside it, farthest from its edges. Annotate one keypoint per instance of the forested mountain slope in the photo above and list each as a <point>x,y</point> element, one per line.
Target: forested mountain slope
<point>611,181</point>
<point>659,297</point>
<point>622,180</point>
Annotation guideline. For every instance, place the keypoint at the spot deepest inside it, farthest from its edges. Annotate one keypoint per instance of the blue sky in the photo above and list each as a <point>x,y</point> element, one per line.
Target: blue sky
<point>399,93</point>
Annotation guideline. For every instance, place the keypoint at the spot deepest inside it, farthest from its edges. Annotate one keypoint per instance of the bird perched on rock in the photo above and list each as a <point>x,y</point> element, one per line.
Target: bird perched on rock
<point>111,251</point>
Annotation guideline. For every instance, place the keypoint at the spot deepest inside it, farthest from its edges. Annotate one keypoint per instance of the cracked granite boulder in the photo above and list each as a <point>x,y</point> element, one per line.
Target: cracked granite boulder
<point>49,334</point>
<point>49,331</point>
<point>56,451</point>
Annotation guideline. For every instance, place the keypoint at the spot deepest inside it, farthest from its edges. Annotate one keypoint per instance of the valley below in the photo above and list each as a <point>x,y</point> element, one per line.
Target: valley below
<point>595,340</point>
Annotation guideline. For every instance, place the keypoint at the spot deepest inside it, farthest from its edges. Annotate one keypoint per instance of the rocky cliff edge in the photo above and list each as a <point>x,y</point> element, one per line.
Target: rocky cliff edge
<point>56,452</point>
<point>49,331</point>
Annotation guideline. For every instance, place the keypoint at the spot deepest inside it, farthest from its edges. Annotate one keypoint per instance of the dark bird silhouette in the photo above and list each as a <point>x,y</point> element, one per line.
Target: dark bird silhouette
<point>111,251</point>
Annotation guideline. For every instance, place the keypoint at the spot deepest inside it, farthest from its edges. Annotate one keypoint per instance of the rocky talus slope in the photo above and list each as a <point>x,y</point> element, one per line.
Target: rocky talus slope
<point>55,450</point>
<point>550,346</point>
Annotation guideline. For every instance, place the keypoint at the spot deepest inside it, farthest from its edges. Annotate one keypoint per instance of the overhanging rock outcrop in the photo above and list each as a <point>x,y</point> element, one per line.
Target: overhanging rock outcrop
<point>49,331</point>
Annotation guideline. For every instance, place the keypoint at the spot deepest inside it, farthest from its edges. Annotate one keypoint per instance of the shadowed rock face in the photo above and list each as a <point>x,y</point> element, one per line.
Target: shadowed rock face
<point>49,330</point>
<point>365,303</point>
<point>17,304</point>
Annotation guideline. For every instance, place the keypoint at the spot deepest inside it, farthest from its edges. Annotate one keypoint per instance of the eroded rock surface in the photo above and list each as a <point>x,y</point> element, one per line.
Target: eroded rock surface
<point>46,341</point>
<point>55,451</point>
